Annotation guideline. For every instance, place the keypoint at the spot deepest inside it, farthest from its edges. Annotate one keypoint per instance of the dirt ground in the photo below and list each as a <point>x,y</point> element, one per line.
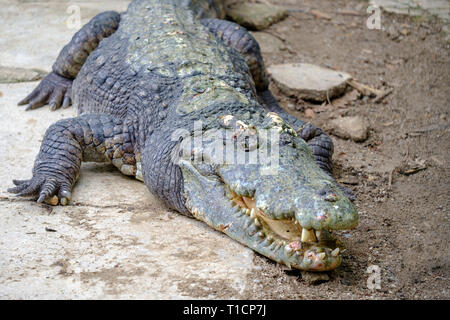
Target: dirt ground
<point>404,219</point>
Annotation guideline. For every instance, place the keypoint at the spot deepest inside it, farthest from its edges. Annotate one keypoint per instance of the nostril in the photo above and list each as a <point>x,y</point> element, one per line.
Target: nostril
<point>328,194</point>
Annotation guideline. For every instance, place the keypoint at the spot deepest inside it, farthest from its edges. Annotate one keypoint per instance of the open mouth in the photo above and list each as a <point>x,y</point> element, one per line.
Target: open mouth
<point>316,245</point>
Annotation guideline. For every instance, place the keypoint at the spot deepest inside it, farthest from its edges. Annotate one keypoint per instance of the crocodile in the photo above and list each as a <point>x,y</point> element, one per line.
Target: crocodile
<point>173,95</point>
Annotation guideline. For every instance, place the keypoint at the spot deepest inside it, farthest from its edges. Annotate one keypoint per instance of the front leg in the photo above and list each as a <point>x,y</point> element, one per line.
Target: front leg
<point>56,88</point>
<point>68,142</point>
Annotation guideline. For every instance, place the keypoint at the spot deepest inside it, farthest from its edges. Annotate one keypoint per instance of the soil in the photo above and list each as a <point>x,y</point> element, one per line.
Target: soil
<point>400,174</point>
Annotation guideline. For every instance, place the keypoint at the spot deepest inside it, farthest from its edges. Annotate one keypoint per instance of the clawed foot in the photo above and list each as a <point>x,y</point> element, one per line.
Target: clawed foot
<point>46,188</point>
<point>53,90</point>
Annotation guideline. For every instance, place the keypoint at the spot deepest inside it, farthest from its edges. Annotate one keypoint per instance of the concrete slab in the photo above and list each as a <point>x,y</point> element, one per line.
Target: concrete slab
<point>115,239</point>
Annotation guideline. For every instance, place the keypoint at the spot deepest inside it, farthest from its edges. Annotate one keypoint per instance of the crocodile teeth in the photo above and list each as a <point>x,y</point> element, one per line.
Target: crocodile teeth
<point>335,252</point>
<point>261,234</point>
<point>321,256</point>
<point>257,223</point>
<point>308,235</point>
<point>288,250</point>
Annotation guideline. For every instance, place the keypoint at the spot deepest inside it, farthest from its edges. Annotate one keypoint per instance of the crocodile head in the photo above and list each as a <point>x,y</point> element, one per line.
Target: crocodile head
<point>260,185</point>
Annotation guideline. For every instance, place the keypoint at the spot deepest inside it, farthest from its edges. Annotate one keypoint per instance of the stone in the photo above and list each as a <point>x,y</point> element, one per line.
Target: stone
<point>309,82</point>
<point>12,75</point>
<point>268,43</point>
<point>256,16</point>
<point>355,128</point>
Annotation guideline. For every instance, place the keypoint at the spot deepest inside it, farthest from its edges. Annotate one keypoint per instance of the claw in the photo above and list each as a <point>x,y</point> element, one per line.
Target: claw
<point>66,102</point>
<point>27,99</point>
<point>30,189</point>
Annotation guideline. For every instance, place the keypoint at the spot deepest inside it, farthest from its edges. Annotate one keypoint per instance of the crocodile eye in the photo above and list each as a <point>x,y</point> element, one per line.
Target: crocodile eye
<point>328,194</point>
<point>286,139</point>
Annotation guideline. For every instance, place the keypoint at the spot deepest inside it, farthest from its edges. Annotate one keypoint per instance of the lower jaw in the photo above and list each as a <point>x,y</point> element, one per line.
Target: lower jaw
<point>317,256</point>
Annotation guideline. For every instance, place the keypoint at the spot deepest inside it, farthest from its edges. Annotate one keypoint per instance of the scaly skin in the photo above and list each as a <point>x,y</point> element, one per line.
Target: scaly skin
<point>165,77</point>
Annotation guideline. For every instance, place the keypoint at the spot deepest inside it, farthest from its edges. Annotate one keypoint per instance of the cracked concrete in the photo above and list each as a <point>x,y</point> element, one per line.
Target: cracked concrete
<point>439,8</point>
<point>115,239</point>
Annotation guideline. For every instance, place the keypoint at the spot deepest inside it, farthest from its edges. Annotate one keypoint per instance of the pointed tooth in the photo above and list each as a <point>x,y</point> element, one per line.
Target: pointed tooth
<point>335,252</point>
<point>261,234</point>
<point>308,235</point>
<point>253,213</point>
<point>321,256</point>
<point>247,211</point>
